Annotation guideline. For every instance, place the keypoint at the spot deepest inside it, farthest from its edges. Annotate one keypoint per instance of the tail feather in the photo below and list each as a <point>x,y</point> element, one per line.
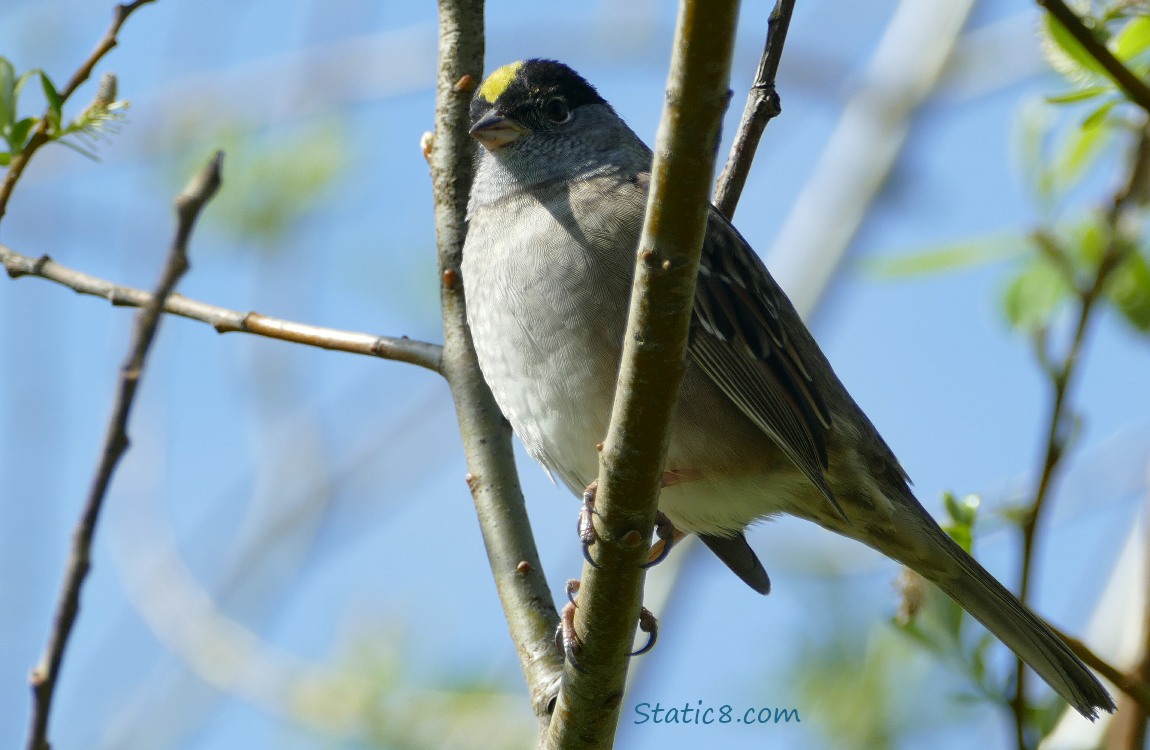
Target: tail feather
<point>741,559</point>
<point>989,602</point>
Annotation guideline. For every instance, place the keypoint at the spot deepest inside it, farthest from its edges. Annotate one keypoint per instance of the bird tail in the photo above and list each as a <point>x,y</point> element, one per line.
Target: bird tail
<point>980,594</point>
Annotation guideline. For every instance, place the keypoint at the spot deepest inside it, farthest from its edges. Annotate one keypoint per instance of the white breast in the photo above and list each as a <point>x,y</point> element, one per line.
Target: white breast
<point>547,317</point>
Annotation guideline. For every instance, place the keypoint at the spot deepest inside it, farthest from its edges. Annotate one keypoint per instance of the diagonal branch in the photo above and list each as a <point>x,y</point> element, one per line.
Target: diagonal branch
<point>46,675</point>
<point>40,135</point>
<point>631,461</point>
<point>1131,84</point>
<point>762,107</point>
<point>224,320</point>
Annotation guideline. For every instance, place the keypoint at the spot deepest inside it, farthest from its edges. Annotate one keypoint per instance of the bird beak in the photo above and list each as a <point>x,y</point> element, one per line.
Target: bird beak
<point>494,130</point>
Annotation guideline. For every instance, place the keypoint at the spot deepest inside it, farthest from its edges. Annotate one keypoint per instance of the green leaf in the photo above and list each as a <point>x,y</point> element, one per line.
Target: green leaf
<point>1033,296</point>
<point>1078,150</point>
<point>974,252</point>
<point>962,514</point>
<point>1078,95</point>
<point>23,79</point>
<point>18,136</point>
<point>962,511</point>
<point>1091,239</point>
<point>1098,116</point>
<point>55,106</point>
<point>1133,39</point>
<point>5,158</point>
<point>1074,52</point>
<point>1129,290</point>
<point>7,95</point>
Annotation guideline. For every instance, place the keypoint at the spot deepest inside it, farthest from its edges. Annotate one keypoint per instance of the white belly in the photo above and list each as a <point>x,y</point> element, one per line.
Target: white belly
<point>552,375</point>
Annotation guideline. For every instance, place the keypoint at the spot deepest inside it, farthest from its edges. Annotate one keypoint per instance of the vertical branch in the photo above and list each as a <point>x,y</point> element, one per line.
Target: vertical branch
<point>494,484</point>
<point>1061,375</point>
<point>631,462</point>
<point>45,676</point>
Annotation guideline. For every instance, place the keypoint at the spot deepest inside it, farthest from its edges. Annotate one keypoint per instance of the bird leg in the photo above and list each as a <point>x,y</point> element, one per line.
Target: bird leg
<point>586,525</point>
<point>567,640</point>
<point>565,637</point>
<point>665,530</point>
<point>668,536</point>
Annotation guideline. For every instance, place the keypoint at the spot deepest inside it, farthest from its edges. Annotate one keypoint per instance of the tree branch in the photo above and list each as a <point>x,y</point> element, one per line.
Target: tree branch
<point>631,462</point>
<point>1131,686</point>
<point>40,135</point>
<point>1061,375</point>
<point>1131,84</point>
<point>224,320</point>
<point>762,107</point>
<point>46,675</point>
<point>492,477</point>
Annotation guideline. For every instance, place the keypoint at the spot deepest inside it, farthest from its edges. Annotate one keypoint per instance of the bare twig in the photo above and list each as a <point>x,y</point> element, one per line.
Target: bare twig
<point>494,484</point>
<point>46,675</point>
<point>40,135</point>
<point>762,107</point>
<point>1134,87</point>
<point>224,320</point>
<point>1130,685</point>
<point>866,143</point>
<point>1061,374</point>
<point>631,461</point>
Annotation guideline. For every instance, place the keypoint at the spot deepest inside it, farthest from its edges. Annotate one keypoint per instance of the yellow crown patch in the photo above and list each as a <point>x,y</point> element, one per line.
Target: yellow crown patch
<point>498,81</point>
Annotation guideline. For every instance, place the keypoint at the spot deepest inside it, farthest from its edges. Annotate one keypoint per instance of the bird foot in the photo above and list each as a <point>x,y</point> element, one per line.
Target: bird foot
<point>567,640</point>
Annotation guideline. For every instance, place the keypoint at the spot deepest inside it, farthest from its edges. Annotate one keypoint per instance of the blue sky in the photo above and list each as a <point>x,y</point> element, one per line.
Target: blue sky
<point>315,501</point>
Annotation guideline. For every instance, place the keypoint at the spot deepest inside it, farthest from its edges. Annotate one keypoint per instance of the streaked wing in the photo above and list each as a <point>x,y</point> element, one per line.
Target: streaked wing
<point>740,342</point>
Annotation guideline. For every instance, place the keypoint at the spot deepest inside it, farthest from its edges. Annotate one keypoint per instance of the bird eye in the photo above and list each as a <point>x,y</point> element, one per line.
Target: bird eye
<point>555,110</point>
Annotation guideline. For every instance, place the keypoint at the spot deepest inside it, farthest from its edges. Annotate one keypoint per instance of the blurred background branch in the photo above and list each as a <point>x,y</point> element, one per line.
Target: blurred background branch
<point>46,675</point>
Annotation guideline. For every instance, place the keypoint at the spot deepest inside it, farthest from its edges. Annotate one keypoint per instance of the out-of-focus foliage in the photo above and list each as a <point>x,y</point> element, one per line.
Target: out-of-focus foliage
<point>87,127</point>
<point>392,709</point>
<point>857,686</point>
<point>1079,132</point>
<point>1088,249</point>
<point>275,180</point>
<point>1122,25</point>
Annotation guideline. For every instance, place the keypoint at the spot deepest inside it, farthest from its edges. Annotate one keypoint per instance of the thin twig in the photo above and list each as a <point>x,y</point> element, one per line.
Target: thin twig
<point>1134,87</point>
<point>46,675</point>
<point>419,353</point>
<point>1128,684</point>
<point>762,107</point>
<point>1061,374</point>
<point>494,483</point>
<point>40,135</point>
<point>651,370</point>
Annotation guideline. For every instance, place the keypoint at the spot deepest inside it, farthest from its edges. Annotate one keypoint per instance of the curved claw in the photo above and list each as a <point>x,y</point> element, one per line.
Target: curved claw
<point>586,525</point>
<point>668,535</point>
<point>659,552</point>
<point>648,624</point>
<point>565,638</point>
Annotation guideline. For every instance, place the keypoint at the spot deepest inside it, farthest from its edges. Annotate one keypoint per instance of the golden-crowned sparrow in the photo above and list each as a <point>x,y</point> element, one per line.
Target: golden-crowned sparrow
<point>762,426</point>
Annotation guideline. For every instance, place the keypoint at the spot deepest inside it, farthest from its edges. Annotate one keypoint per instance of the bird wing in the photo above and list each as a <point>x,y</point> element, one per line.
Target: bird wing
<point>740,341</point>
